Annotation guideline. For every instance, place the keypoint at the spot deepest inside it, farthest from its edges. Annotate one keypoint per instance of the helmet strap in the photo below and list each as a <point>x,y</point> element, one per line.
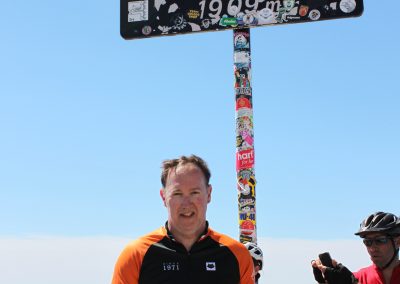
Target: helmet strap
<point>395,254</point>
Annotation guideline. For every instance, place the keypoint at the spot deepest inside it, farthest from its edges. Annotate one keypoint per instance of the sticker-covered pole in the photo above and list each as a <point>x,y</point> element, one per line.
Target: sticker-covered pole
<point>246,181</point>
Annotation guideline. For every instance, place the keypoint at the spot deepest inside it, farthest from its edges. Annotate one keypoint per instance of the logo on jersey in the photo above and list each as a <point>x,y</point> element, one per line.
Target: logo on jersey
<point>210,266</point>
<point>170,266</point>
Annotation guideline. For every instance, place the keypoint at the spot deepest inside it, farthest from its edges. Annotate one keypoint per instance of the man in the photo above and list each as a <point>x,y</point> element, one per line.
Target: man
<point>257,256</point>
<point>186,250</point>
<point>381,235</point>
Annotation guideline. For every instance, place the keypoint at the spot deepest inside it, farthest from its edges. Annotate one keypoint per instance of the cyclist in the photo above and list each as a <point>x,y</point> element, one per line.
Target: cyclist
<point>257,255</point>
<point>381,236</point>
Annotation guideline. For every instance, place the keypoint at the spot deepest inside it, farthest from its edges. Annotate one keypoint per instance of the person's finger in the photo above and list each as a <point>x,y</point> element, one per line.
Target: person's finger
<point>334,262</point>
<point>313,263</point>
<point>321,267</point>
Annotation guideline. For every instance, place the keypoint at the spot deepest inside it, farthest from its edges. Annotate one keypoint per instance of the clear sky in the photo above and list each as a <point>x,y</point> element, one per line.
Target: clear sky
<point>86,119</point>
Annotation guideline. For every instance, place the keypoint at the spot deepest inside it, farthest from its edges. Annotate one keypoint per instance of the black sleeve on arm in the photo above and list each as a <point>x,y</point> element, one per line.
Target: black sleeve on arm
<point>339,275</point>
<point>318,275</point>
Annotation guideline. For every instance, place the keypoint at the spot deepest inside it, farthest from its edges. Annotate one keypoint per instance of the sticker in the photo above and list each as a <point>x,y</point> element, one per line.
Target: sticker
<point>242,79</point>
<point>303,10</point>
<point>247,216</point>
<point>244,112</point>
<point>243,91</point>
<point>244,123</point>
<point>246,202</point>
<point>265,16</point>
<point>248,209</point>
<point>247,228</point>
<point>242,57</point>
<point>146,30</point>
<point>193,14</point>
<point>206,23</point>
<point>250,19</point>
<point>228,22</point>
<point>247,185</point>
<point>241,40</point>
<point>347,6</point>
<point>246,239</point>
<point>245,159</point>
<point>138,11</point>
<point>285,10</point>
<point>314,15</point>
<point>243,103</point>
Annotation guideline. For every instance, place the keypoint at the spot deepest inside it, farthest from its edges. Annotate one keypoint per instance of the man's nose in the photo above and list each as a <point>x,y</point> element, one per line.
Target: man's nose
<point>186,199</point>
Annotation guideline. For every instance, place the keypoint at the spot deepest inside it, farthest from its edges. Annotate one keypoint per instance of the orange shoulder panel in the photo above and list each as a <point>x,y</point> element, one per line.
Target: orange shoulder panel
<point>241,253</point>
<point>128,265</point>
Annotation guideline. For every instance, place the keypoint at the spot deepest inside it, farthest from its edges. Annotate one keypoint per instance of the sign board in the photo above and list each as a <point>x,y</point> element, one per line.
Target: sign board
<point>149,18</point>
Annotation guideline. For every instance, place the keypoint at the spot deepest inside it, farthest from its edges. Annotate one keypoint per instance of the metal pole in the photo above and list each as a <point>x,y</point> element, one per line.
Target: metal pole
<point>246,181</point>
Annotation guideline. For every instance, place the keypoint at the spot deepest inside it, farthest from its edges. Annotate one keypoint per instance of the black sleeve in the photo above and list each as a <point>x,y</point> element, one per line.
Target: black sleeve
<point>339,275</point>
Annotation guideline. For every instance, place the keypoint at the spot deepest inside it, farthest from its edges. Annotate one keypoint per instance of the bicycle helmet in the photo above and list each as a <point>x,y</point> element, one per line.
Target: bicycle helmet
<point>380,222</point>
<point>255,252</point>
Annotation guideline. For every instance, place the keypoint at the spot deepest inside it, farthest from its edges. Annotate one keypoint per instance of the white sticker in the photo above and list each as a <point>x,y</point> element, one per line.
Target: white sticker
<point>138,11</point>
<point>146,30</point>
<point>314,14</point>
<point>348,6</point>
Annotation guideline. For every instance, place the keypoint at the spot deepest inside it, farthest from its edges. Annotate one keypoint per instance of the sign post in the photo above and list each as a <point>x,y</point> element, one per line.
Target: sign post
<point>246,181</point>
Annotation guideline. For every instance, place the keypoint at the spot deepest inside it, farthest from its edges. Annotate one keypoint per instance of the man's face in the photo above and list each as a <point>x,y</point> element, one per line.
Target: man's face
<point>186,196</point>
<point>380,253</point>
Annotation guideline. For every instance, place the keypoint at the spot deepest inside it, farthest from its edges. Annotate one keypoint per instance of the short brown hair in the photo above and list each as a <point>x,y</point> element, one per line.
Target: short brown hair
<point>167,165</point>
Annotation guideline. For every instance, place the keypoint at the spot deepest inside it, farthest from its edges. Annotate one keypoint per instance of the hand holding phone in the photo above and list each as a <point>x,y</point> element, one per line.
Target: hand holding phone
<point>326,259</point>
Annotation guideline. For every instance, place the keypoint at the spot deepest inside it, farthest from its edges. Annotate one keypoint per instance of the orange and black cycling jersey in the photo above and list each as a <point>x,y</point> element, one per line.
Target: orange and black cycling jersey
<point>157,258</point>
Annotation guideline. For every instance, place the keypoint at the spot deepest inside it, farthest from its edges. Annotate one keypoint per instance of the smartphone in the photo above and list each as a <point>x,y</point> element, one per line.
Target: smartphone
<point>326,259</point>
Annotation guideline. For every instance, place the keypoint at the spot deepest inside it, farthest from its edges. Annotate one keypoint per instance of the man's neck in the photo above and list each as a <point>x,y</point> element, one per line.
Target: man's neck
<point>187,240</point>
<point>387,272</point>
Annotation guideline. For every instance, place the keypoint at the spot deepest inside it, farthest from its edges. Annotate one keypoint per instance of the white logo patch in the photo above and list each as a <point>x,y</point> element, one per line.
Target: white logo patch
<point>210,266</point>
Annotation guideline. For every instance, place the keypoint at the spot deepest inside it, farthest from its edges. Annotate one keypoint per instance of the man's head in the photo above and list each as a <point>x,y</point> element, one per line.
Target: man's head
<point>172,164</point>
<point>186,192</point>
<point>381,235</point>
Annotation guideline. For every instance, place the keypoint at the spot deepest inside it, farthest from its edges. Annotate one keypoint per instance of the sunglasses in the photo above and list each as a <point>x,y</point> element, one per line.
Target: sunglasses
<point>378,241</point>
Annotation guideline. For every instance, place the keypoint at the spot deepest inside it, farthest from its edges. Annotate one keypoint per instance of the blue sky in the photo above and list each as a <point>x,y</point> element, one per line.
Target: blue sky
<point>86,119</point>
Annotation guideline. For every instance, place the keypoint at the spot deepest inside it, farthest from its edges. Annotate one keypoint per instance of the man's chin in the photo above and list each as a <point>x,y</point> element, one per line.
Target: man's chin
<point>377,261</point>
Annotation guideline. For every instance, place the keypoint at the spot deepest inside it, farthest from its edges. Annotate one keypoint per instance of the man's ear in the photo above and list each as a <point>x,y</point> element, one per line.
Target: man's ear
<point>162,194</point>
<point>397,241</point>
<point>209,189</point>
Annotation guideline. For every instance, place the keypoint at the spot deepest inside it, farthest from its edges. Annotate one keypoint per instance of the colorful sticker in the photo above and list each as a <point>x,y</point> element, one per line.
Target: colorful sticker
<point>241,41</point>
<point>228,21</point>
<point>244,112</point>
<point>246,183</point>
<point>247,228</point>
<point>242,78</point>
<point>243,102</point>
<point>245,159</point>
<point>303,10</point>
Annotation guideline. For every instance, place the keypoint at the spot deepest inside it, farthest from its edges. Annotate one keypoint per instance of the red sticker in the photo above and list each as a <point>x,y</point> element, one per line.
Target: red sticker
<point>242,103</point>
<point>247,227</point>
<point>245,159</point>
<point>303,10</point>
